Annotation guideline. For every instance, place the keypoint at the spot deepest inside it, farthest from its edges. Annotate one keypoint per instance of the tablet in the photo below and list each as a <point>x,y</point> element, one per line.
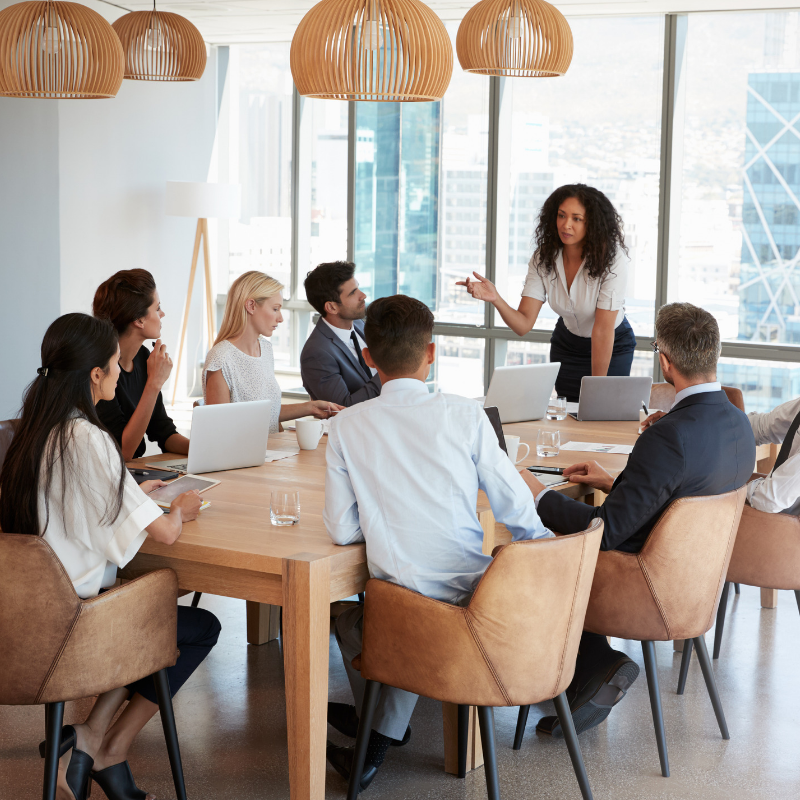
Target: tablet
<point>164,495</point>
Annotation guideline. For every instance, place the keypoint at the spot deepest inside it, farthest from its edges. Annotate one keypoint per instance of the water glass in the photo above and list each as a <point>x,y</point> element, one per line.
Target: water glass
<point>548,443</point>
<point>557,408</point>
<point>284,507</point>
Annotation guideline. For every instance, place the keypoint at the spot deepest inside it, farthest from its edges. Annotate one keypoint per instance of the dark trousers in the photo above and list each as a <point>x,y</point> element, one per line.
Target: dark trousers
<point>575,354</point>
<point>198,631</point>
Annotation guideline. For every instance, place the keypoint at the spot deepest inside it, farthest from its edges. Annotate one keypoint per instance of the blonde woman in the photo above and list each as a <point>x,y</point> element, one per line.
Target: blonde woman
<point>240,366</point>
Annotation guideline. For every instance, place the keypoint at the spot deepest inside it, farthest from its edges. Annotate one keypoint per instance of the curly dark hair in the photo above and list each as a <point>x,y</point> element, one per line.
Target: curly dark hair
<point>604,235</point>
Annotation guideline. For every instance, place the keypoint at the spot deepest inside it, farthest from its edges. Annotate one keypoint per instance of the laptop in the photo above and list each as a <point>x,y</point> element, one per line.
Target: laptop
<point>225,436</point>
<point>522,393</point>
<point>612,398</point>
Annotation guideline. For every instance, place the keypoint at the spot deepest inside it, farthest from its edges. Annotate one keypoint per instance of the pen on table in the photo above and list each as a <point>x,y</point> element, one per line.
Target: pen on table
<point>644,408</point>
<point>139,472</point>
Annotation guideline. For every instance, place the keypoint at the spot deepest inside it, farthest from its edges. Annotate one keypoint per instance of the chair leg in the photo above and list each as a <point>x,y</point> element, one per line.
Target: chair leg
<point>688,645</point>
<point>736,588</point>
<point>170,731</point>
<point>723,607</point>
<point>54,715</point>
<point>372,692</point>
<point>568,727</point>
<point>711,685</point>
<point>522,721</point>
<point>196,599</point>
<point>486,720</point>
<point>463,737</point>
<point>649,652</point>
<point>797,597</point>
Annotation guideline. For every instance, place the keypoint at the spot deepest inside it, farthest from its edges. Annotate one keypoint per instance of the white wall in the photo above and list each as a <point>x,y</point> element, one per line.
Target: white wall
<point>82,187</point>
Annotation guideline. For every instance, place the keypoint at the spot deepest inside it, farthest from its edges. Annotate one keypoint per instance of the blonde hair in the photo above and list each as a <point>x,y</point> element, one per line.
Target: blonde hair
<point>248,286</point>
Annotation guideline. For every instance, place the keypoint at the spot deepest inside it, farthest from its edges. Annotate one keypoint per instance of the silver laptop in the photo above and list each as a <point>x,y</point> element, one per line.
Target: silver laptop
<point>612,397</point>
<point>521,393</point>
<point>226,436</point>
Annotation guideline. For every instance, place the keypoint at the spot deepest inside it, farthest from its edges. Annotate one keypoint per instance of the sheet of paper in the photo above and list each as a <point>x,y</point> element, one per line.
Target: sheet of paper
<point>277,455</point>
<point>596,447</point>
<point>572,408</point>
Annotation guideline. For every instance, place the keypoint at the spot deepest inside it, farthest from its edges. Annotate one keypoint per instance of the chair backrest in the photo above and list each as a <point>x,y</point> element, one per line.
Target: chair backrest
<point>38,608</point>
<point>7,428</point>
<point>670,589</point>
<point>662,396</point>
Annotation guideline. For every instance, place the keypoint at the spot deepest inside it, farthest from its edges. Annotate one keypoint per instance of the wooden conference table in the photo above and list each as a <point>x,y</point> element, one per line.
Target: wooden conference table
<point>233,550</point>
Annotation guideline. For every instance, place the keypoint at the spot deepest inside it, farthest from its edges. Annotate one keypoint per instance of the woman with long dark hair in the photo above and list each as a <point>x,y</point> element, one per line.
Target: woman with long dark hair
<point>129,300</point>
<point>64,479</point>
<point>580,266</point>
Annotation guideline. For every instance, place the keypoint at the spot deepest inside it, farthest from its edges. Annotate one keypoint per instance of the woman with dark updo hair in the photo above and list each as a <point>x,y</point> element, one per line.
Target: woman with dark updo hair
<point>580,266</point>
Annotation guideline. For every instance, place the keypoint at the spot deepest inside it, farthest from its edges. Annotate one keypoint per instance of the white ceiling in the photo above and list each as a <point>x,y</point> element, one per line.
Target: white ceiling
<point>236,21</point>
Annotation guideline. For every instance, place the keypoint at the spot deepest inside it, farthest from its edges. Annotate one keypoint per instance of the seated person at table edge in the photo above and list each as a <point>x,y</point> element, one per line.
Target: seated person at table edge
<point>703,446</point>
<point>331,364</point>
<point>778,492</point>
<point>64,479</point>
<point>403,473</point>
<point>129,299</point>
<point>240,367</point>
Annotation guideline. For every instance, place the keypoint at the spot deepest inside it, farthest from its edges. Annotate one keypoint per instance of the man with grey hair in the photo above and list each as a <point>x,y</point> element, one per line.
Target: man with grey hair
<point>703,446</point>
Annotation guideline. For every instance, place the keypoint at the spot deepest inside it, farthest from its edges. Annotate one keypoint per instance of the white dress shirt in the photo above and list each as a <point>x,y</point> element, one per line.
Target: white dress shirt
<point>780,491</point>
<point>345,336</point>
<point>577,306</point>
<point>403,475</point>
<point>698,388</point>
<point>87,543</point>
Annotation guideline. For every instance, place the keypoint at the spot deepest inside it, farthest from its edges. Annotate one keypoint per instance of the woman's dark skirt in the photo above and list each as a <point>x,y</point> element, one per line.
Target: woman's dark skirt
<point>575,354</point>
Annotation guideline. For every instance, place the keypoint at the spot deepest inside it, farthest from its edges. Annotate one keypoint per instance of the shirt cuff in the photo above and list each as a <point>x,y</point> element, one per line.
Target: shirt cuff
<point>130,535</point>
<point>540,496</point>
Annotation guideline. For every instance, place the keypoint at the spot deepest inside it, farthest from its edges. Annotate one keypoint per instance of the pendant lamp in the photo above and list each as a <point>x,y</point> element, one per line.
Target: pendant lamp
<point>523,38</point>
<point>59,51</point>
<point>160,46</point>
<point>375,50</point>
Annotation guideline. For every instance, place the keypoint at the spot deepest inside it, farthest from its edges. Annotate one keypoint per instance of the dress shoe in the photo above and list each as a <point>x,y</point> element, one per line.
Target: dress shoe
<point>592,701</point>
<point>341,759</point>
<point>344,719</point>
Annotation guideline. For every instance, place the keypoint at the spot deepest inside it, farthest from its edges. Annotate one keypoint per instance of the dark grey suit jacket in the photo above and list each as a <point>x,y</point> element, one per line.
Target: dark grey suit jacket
<point>704,446</point>
<point>331,372</point>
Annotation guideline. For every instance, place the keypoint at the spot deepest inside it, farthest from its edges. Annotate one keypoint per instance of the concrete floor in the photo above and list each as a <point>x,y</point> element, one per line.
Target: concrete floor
<point>231,721</point>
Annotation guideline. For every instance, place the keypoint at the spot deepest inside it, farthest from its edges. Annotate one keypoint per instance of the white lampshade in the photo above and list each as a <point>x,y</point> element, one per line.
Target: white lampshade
<point>203,200</point>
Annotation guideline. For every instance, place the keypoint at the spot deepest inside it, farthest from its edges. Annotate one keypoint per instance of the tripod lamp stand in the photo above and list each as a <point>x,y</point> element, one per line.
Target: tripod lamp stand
<point>202,201</point>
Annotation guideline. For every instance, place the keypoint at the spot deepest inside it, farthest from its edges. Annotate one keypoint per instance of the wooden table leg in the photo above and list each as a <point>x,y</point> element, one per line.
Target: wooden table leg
<point>474,746</point>
<point>769,598</point>
<point>486,519</point>
<point>263,622</point>
<point>306,632</point>
<point>677,645</point>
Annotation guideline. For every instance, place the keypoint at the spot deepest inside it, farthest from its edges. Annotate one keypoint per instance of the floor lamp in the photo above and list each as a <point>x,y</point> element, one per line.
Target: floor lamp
<point>203,201</point>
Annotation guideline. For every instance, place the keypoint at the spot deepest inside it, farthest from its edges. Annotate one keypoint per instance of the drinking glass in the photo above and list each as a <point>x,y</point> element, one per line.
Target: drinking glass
<point>284,507</point>
<point>557,408</point>
<point>547,443</point>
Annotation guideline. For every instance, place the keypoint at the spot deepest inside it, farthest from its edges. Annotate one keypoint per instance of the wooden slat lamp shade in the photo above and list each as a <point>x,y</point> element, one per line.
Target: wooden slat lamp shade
<point>376,50</point>
<point>58,51</point>
<point>160,46</point>
<point>522,38</point>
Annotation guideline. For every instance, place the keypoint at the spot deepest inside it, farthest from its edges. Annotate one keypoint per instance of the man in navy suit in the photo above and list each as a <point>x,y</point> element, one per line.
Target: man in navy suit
<point>703,446</point>
<point>332,365</point>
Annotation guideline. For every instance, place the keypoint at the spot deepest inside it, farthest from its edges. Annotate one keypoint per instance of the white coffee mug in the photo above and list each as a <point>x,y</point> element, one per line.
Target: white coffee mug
<point>309,432</point>
<point>512,447</point>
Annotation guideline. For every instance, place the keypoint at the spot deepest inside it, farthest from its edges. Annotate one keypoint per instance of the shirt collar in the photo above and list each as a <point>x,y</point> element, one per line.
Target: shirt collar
<point>698,388</point>
<point>404,385</point>
<point>344,335</point>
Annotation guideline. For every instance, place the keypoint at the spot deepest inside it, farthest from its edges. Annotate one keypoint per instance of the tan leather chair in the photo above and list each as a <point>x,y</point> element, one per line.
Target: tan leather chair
<point>514,644</point>
<point>662,396</point>
<point>7,428</point>
<point>766,554</point>
<point>669,589</point>
<point>57,647</point>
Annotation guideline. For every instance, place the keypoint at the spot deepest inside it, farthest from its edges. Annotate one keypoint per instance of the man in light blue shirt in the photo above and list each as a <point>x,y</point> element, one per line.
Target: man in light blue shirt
<point>404,470</point>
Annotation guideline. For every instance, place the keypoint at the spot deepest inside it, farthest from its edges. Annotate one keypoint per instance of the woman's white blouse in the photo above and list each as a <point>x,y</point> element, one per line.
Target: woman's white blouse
<point>89,545</point>
<point>248,377</point>
<point>577,306</point>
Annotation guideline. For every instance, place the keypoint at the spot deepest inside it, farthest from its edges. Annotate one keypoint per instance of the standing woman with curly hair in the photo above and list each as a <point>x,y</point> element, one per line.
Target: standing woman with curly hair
<point>581,267</point>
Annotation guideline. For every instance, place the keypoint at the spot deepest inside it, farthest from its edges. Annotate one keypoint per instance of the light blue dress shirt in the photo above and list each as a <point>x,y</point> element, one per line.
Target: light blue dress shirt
<point>403,475</point>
